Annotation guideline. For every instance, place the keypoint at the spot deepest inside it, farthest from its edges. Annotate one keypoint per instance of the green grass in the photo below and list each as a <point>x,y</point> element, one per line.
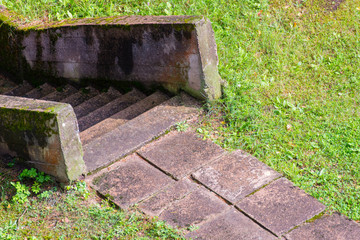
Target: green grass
<point>73,213</point>
<point>293,79</point>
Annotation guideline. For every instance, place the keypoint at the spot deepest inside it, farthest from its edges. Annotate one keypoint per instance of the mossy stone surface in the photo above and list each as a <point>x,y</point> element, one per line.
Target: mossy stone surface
<point>43,133</point>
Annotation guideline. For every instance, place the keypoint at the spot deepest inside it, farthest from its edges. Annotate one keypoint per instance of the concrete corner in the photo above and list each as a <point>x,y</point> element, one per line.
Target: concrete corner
<point>211,80</point>
<point>45,134</point>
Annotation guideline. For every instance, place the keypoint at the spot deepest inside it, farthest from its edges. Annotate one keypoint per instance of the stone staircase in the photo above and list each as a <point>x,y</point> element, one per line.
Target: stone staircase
<point>112,124</point>
<point>184,180</point>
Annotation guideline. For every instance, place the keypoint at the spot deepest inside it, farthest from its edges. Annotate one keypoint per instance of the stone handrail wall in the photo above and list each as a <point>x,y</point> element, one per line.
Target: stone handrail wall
<point>43,133</point>
<point>174,52</point>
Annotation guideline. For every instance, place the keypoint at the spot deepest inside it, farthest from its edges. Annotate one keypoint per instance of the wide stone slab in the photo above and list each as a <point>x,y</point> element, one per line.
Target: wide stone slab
<point>130,181</point>
<point>134,134</point>
<point>232,225</point>
<point>195,208</point>
<point>156,204</point>
<point>180,153</point>
<point>235,175</point>
<point>281,206</point>
<point>328,227</point>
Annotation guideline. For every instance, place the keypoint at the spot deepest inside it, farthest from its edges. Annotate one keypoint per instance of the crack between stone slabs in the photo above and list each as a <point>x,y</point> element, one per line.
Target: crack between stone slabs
<point>96,171</point>
<point>258,223</point>
<point>133,206</point>
<point>172,202</point>
<point>210,162</point>
<point>217,194</point>
<point>213,216</point>
<point>309,221</point>
<point>197,187</point>
<point>200,224</point>
<point>207,188</point>
<point>158,168</point>
<point>264,186</point>
<point>108,199</point>
<point>185,175</point>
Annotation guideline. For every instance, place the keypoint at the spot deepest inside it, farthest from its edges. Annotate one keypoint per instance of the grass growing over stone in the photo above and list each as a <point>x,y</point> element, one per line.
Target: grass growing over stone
<point>292,69</point>
<point>71,213</point>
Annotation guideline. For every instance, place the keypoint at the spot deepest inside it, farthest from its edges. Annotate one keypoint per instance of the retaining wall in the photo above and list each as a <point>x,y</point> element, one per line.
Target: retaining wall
<point>43,133</point>
<point>175,52</point>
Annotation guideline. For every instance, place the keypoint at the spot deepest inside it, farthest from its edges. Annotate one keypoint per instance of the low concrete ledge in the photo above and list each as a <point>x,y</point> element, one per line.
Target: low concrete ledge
<point>175,52</point>
<point>42,133</point>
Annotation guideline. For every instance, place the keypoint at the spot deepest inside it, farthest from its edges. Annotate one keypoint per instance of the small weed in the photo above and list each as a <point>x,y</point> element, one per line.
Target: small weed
<point>79,189</point>
<point>22,193</point>
<point>39,177</point>
<point>182,126</point>
<point>45,195</point>
<point>11,164</point>
<point>22,189</point>
<point>192,228</point>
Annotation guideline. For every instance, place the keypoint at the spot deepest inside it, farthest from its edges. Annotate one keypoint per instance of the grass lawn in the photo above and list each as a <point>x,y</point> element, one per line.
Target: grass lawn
<point>293,74</point>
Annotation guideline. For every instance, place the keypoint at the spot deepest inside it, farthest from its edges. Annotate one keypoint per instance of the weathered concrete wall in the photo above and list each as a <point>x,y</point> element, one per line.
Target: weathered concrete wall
<point>176,52</point>
<point>10,47</point>
<point>43,133</point>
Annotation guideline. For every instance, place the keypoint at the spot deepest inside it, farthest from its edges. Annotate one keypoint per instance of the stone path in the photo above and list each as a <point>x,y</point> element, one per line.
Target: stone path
<point>182,179</point>
<point>189,182</point>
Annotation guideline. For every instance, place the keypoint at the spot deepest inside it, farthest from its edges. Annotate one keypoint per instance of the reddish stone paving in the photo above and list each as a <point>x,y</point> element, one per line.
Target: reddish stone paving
<point>187,182</point>
<point>155,205</point>
<point>328,227</point>
<point>180,153</point>
<point>195,208</point>
<point>130,181</point>
<point>281,206</point>
<point>235,175</point>
<point>231,225</point>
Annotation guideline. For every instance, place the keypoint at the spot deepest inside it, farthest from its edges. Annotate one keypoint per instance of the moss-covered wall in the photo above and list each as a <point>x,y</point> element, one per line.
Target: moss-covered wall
<point>10,45</point>
<point>45,134</point>
<point>149,50</point>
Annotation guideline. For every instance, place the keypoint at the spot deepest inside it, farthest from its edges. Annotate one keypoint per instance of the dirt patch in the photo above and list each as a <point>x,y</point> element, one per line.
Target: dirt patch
<point>332,5</point>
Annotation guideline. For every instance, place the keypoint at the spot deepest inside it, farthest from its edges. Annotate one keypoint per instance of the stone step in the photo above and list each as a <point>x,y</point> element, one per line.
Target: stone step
<point>335,226</point>
<point>109,109</point>
<point>40,92</point>
<point>128,137</point>
<point>122,117</point>
<point>231,224</point>
<point>81,96</point>
<point>60,93</point>
<point>20,90</point>
<point>6,85</point>
<point>280,206</point>
<point>96,102</point>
